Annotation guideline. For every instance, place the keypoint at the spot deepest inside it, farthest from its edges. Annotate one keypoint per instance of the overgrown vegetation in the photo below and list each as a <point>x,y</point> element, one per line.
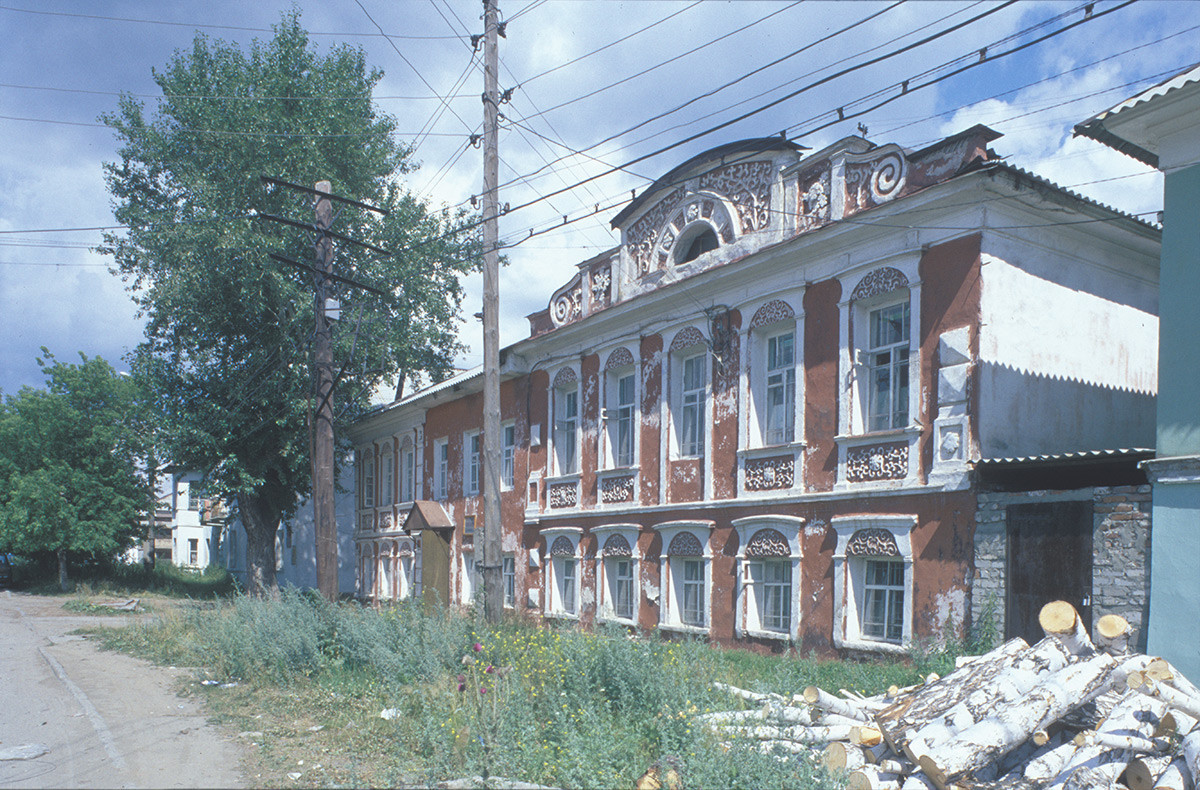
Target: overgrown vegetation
<point>555,706</point>
<point>120,579</point>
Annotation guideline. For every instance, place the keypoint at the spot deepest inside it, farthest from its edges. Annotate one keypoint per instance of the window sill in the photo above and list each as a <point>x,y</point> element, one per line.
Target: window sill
<point>681,628</point>
<point>570,477</point>
<point>877,436</point>
<point>782,636</point>
<point>615,620</point>
<point>617,471</point>
<point>871,646</point>
<point>561,615</point>
<point>771,449</point>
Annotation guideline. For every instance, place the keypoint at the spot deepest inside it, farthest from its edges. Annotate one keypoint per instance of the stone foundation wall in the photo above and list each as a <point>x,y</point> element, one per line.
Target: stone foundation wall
<point>1120,552</point>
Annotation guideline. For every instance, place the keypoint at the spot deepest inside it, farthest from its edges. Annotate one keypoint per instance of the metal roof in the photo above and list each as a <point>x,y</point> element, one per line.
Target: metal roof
<point>1080,456</point>
<point>432,389</point>
<point>1023,173</point>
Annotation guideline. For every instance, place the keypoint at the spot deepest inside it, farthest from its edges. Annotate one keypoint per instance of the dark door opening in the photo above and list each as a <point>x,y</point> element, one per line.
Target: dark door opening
<point>1049,559</point>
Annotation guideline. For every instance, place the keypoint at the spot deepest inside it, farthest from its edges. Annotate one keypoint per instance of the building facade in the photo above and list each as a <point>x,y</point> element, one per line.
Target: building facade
<point>756,418</point>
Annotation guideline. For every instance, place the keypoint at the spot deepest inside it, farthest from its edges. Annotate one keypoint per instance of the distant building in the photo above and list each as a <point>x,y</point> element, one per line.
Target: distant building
<point>195,523</point>
<point>761,417</point>
<point>296,544</point>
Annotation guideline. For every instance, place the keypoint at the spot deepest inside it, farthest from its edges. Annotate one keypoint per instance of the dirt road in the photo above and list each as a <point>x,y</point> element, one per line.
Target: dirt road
<point>72,715</point>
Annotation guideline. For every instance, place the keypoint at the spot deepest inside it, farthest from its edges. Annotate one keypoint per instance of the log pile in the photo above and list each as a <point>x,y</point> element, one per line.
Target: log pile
<point>1073,711</point>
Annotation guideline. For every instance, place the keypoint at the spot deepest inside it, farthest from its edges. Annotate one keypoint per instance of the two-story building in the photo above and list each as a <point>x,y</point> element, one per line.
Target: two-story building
<point>756,419</point>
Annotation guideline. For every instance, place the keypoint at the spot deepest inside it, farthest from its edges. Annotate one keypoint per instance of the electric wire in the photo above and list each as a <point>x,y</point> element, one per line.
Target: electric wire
<point>362,97</point>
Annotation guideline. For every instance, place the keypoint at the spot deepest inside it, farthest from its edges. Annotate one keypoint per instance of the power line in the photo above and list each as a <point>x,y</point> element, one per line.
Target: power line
<point>215,27</point>
<point>363,97</point>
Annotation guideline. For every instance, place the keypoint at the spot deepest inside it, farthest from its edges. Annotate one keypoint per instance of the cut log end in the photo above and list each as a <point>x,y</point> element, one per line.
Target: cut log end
<point>865,736</point>
<point>1058,617</point>
<point>811,695</point>
<point>1111,626</point>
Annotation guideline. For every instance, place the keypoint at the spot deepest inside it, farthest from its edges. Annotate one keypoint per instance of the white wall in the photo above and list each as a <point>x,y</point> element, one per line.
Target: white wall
<point>1067,353</point>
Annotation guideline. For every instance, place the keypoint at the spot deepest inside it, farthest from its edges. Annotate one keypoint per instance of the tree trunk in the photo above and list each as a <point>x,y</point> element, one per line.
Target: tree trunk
<point>260,519</point>
<point>64,583</point>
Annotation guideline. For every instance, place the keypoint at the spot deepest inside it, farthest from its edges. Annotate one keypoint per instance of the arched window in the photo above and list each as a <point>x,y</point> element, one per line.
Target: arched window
<point>695,242</point>
<point>562,577</point>
<point>768,558</point>
<point>873,582</point>
<point>685,576</point>
<point>617,559</point>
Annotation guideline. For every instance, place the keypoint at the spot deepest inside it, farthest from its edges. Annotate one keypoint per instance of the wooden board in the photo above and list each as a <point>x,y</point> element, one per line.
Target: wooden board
<point>1049,559</point>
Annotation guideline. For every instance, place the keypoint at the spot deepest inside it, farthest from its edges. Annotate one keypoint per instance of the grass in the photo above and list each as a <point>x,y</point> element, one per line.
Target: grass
<point>550,705</point>
<point>130,581</point>
<point>84,605</point>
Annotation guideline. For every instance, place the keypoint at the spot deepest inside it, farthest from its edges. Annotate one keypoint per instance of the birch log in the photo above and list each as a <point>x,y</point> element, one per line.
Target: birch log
<point>1176,777</point>
<point>753,696</point>
<point>1142,771</point>
<point>799,734</point>
<point>1006,680</point>
<point>1191,754</point>
<point>1049,762</point>
<point>1172,696</point>
<point>1059,619</point>
<point>1103,756</point>
<point>819,698</point>
<point>869,777</point>
<point>840,756</point>
<point>1112,634</point>
<point>1011,724</point>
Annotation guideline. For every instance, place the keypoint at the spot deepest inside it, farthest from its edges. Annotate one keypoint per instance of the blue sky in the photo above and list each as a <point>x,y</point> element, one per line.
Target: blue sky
<point>64,66</point>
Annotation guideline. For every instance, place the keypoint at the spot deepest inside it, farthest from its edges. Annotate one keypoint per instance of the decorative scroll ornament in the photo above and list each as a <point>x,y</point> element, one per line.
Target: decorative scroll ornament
<point>567,305</point>
<point>601,286</point>
<point>619,358</point>
<point>814,199</point>
<point>562,547</point>
<point>768,543</point>
<point>883,280</point>
<point>616,546</point>
<point>872,543</point>
<point>615,490</point>
<point>747,185</point>
<point>874,181</point>
<point>877,462</point>
<point>687,337</point>
<point>565,378</point>
<point>385,520</point>
<point>564,495</point>
<point>685,544</point>
<point>643,234</point>
<point>772,312</point>
<point>769,474</point>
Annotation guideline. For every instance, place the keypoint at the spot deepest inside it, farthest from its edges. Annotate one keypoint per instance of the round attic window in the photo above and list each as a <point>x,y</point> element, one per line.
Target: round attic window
<point>695,242</point>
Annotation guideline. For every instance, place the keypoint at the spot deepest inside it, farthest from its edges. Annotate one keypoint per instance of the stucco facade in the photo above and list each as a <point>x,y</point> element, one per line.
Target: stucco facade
<point>755,418</point>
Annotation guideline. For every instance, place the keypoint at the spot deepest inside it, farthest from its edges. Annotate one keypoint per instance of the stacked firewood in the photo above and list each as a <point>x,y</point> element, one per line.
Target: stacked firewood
<point>1066,713</point>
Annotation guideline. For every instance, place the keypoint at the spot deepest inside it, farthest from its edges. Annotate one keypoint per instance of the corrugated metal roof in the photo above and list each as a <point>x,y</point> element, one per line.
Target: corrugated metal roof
<point>1188,75</point>
<point>1073,457</point>
<point>1013,169</point>
<point>432,389</point>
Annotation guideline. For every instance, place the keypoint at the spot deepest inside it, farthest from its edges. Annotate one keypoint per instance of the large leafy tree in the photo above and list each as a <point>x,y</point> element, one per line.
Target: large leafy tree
<point>228,333</point>
<point>69,481</point>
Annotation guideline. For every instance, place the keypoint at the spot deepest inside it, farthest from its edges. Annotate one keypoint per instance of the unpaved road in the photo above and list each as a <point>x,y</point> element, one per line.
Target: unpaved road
<point>72,715</point>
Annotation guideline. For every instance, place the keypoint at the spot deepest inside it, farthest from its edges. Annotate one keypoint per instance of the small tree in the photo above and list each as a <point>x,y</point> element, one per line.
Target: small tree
<point>68,475</point>
<point>227,349</point>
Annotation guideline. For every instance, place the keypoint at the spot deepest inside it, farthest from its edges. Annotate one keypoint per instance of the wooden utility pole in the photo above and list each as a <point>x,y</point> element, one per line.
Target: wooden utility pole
<point>324,515</point>
<point>493,581</point>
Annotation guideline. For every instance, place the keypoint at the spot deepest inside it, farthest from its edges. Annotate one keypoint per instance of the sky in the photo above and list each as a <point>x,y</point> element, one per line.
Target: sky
<point>590,76</point>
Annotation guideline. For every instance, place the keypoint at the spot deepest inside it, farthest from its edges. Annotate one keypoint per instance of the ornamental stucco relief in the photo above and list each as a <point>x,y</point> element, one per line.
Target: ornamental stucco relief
<point>562,547</point>
<point>617,546</point>
<point>768,543</point>
<point>877,462</point>
<point>872,543</point>
<point>614,490</point>
<point>748,186</point>
<point>769,474</point>
<point>564,495</point>
<point>772,312</point>
<point>685,544</point>
<point>883,280</point>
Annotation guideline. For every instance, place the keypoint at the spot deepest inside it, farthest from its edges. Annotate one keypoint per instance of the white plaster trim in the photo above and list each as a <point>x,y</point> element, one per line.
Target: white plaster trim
<point>550,599</point>
<point>847,633</point>
<point>669,605</point>
<point>604,608</point>
<point>791,527</point>
<point>1174,470</point>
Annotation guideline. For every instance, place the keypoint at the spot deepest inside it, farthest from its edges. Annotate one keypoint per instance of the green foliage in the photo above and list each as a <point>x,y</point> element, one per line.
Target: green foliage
<point>562,707</point>
<point>228,334</point>
<point>68,478</point>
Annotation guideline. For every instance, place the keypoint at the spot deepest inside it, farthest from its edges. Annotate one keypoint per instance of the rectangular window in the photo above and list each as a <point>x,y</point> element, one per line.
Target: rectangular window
<point>691,434</point>
<point>507,454</point>
<point>408,476</point>
<point>773,580</point>
<point>567,404</point>
<point>887,355</point>
<point>469,525</point>
<point>469,580</point>
<point>567,581</point>
<point>622,435</point>
<point>368,482</point>
<point>385,495</point>
<point>622,588</point>
<point>692,610</point>
<point>472,442</point>
<point>193,551</point>
<point>883,605</point>
<point>780,417</point>
<point>441,467</point>
<point>508,571</point>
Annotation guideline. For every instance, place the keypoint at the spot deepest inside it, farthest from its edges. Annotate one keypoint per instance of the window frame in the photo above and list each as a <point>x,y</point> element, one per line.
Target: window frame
<point>472,462</point>
<point>408,472</point>
<point>692,446</point>
<point>367,492</point>
<point>562,435</point>
<point>849,580</point>
<point>605,575</point>
<point>508,578</point>
<point>892,419</point>
<point>387,475</point>
<point>752,597</point>
<point>619,414</point>
<point>468,582</point>
<point>672,576</point>
<point>787,434</point>
<point>441,468</point>
<point>508,455</point>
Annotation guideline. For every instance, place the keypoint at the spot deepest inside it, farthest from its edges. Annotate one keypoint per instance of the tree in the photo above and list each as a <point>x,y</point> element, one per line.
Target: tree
<point>68,474</point>
<point>228,330</point>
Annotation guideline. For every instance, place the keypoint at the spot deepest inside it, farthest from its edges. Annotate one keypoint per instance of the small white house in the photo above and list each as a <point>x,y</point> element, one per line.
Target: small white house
<point>192,529</point>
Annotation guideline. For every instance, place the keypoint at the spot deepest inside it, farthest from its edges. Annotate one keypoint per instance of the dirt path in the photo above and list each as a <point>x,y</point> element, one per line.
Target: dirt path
<point>72,715</point>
